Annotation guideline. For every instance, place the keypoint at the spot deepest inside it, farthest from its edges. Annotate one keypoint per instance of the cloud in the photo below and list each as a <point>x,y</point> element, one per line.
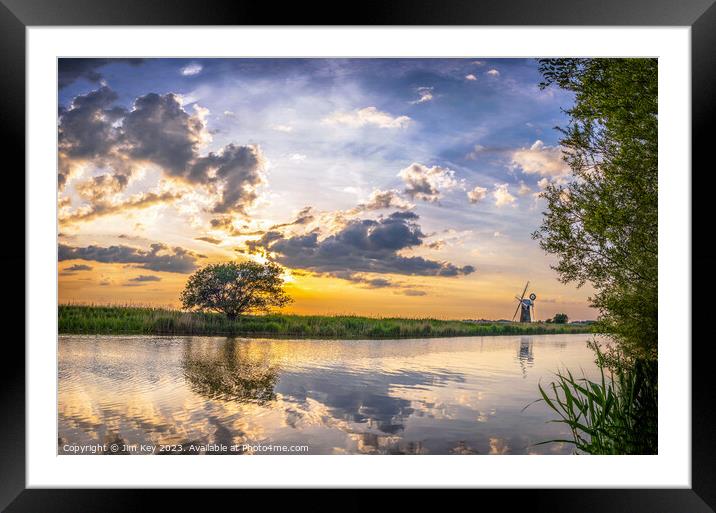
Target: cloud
<point>282,128</point>
<point>524,189</point>
<point>78,267</point>
<point>100,186</point>
<point>304,216</point>
<point>380,199</point>
<point>157,130</point>
<point>367,116</point>
<point>237,170</point>
<point>493,73</point>
<point>145,278</point>
<point>413,292</point>
<point>368,282</point>
<point>136,202</point>
<point>210,240</point>
<point>191,69</point>
<point>425,94</point>
<point>540,159</point>
<point>70,70</point>
<point>427,183</point>
<point>159,257</point>
<point>502,195</point>
<point>87,132</point>
<point>470,77</point>
<point>371,282</point>
<point>477,194</point>
<point>361,246</point>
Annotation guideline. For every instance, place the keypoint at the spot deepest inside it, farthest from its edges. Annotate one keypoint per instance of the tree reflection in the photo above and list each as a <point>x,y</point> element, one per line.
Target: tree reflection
<point>231,373</point>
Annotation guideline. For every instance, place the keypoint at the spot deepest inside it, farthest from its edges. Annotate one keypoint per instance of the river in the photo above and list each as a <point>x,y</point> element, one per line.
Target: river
<point>218,395</point>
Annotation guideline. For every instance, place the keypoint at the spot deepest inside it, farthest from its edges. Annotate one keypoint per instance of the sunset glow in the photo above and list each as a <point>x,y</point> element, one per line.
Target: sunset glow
<point>385,187</point>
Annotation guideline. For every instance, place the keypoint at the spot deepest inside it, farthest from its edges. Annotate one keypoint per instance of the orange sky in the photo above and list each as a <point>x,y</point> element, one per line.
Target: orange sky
<point>381,194</point>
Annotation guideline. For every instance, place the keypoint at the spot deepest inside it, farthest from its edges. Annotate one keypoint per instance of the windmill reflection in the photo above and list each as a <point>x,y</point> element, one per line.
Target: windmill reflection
<point>525,355</point>
<point>230,373</point>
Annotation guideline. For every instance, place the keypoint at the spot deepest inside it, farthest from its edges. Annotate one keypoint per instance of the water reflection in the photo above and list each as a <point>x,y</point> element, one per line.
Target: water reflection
<point>228,371</point>
<point>525,355</point>
<point>426,396</point>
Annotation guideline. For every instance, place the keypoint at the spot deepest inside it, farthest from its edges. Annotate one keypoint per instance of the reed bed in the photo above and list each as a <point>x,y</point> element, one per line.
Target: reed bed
<point>89,319</point>
<point>615,415</point>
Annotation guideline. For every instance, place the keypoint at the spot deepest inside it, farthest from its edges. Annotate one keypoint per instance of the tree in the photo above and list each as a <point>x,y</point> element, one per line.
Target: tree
<point>560,318</point>
<point>235,288</point>
<point>602,223</point>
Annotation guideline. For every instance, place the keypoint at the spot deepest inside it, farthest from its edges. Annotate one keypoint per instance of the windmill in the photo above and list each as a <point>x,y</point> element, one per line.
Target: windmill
<point>525,305</point>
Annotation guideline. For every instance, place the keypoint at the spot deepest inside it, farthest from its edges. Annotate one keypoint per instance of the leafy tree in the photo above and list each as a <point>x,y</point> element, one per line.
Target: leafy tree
<point>235,288</point>
<point>602,223</point>
<point>560,318</point>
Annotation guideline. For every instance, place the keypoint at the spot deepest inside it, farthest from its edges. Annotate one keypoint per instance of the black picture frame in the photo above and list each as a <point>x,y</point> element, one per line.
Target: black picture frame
<point>17,15</point>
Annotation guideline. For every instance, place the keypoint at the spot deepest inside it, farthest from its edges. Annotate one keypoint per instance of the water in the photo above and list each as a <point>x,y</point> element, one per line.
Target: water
<point>139,395</point>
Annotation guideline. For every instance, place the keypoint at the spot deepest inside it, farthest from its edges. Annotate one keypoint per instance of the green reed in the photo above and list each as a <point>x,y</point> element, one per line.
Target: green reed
<point>615,415</point>
<point>91,319</point>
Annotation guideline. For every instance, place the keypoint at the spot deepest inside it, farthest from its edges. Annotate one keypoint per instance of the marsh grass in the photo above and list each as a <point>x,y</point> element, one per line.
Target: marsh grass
<point>615,415</point>
<point>90,319</point>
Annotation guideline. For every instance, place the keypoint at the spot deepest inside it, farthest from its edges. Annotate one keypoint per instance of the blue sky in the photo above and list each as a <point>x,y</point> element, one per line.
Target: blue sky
<point>463,144</point>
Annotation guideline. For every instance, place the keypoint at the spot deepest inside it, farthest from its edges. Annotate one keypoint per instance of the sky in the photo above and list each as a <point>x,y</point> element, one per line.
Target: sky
<point>384,187</point>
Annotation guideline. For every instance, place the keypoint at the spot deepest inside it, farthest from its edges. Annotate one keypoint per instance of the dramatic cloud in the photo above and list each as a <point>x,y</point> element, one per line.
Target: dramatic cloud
<point>540,159</point>
<point>69,70</point>
<point>367,116</point>
<point>237,170</point>
<point>427,183</point>
<point>477,194</point>
<point>502,195</point>
<point>157,130</point>
<point>145,278</point>
<point>425,94</point>
<point>158,257</point>
<point>363,245</point>
<point>191,69</point>
<point>87,132</point>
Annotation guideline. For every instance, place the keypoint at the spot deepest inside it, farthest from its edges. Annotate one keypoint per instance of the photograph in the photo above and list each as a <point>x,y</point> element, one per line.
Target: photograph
<point>358,255</point>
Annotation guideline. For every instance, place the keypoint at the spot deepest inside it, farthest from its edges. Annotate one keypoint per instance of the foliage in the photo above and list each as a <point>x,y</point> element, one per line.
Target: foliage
<point>560,318</point>
<point>602,223</point>
<point>234,288</point>
<point>617,415</point>
<point>159,321</point>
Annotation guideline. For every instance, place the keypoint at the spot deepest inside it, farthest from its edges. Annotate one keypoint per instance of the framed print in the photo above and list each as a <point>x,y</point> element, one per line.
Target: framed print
<point>418,248</point>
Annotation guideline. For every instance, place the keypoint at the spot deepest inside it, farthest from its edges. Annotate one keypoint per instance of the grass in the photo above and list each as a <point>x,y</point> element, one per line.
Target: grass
<point>617,415</point>
<point>159,321</point>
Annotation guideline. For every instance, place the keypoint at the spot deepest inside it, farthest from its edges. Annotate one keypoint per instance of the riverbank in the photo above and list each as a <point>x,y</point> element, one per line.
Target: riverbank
<point>77,319</point>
